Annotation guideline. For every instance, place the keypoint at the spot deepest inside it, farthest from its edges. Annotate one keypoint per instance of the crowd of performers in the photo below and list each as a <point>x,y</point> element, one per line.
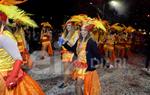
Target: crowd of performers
<point>85,42</point>
<point>91,39</point>
<point>76,40</point>
<point>86,39</point>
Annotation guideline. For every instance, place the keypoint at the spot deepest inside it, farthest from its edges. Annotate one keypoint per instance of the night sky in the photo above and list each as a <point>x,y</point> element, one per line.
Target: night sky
<point>58,11</point>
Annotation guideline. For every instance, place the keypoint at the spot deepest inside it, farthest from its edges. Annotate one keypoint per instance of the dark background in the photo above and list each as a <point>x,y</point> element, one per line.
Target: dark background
<point>58,11</point>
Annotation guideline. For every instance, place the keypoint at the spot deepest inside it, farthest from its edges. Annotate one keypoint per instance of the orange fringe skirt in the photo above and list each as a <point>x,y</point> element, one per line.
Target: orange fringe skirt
<point>27,86</point>
<point>92,83</point>
<point>67,56</point>
<point>47,45</point>
<point>79,70</point>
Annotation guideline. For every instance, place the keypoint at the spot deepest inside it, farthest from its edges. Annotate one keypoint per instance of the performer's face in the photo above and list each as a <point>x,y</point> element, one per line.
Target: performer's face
<point>84,32</point>
<point>69,27</point>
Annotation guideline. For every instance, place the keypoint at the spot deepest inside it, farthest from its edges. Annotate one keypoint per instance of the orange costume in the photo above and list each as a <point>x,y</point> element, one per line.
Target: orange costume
<point>109,47</point>
<point>46,43</point>
<point>10,71</point>
<point>120,46</point>
<point>67,56</point>
<point>80,64</point>
<point>91,78</point>
<point>87,52</point>
<point>12,2</point>
<point>18,15</point>
<point>20,37</point>
<point>46,37</point>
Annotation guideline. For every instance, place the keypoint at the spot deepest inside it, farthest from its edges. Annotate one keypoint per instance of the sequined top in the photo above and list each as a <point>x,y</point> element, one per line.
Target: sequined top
<point>9,51</point>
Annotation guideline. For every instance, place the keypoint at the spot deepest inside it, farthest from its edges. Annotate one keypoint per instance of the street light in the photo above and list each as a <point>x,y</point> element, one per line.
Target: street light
<point>118,6</point>
<point>114,3</point>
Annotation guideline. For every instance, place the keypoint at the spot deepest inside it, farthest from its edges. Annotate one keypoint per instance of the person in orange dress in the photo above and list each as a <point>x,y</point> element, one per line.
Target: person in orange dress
<point>71,34</point>
<point>13,81</point>
<point>84,67</point>
<point>109,49</point>
<point>20,37</point>
<point>120,45</point>
<point>46,37</point>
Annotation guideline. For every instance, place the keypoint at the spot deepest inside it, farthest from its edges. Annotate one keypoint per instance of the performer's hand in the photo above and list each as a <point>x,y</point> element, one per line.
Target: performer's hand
<point>12,77</point>
<point>11,82</point>
<point>61,41</point>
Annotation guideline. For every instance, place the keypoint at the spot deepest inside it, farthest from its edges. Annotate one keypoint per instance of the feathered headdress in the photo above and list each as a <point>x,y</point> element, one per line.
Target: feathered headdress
<point>12,2</point>
<point>130,29</point>
<point>98,24</point>
<point>77,20</point>
<point>118,27</point>
<point>46,24</point>
<point>95,24</point>
<point>14,13</point>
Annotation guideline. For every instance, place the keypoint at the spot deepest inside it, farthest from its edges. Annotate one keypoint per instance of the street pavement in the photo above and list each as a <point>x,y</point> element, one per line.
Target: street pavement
<point>125,78</point>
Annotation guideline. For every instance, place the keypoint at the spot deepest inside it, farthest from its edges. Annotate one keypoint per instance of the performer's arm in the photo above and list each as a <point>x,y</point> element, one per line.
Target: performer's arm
<point>11,47</point>
<point>93,55</point>
<point>69,48</point>
<point>95,50</point>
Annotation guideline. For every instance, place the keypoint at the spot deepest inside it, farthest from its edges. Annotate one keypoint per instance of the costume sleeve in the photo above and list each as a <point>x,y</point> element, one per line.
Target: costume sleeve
<point>10,46</point>
<point>93,55</point>
<point>72,49</point>
<point>95,50</point>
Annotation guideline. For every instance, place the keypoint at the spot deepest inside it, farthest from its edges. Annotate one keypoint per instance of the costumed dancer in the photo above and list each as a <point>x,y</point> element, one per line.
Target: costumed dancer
<point>120,45</point>
<point>129,30</point>
<point>109,49</point>
<point>84,70</point>
<point>20,37</point>
<point>20,17</point>
<point>71,34</point>
<point>46,38</point>
<point>13,81</point>
<point>119,39</point>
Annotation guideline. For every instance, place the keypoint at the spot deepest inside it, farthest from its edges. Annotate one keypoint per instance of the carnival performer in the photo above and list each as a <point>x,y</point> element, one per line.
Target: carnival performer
<point>22,44</point>
<point>13,81</point>
<point>120,44</point>
<point>84,67</point>
<point>71,34</point>
<point>46,38</point>
<point>109,49</point>
<point>129,36</point>
<point>120,38</point>
<point>20,17</point>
